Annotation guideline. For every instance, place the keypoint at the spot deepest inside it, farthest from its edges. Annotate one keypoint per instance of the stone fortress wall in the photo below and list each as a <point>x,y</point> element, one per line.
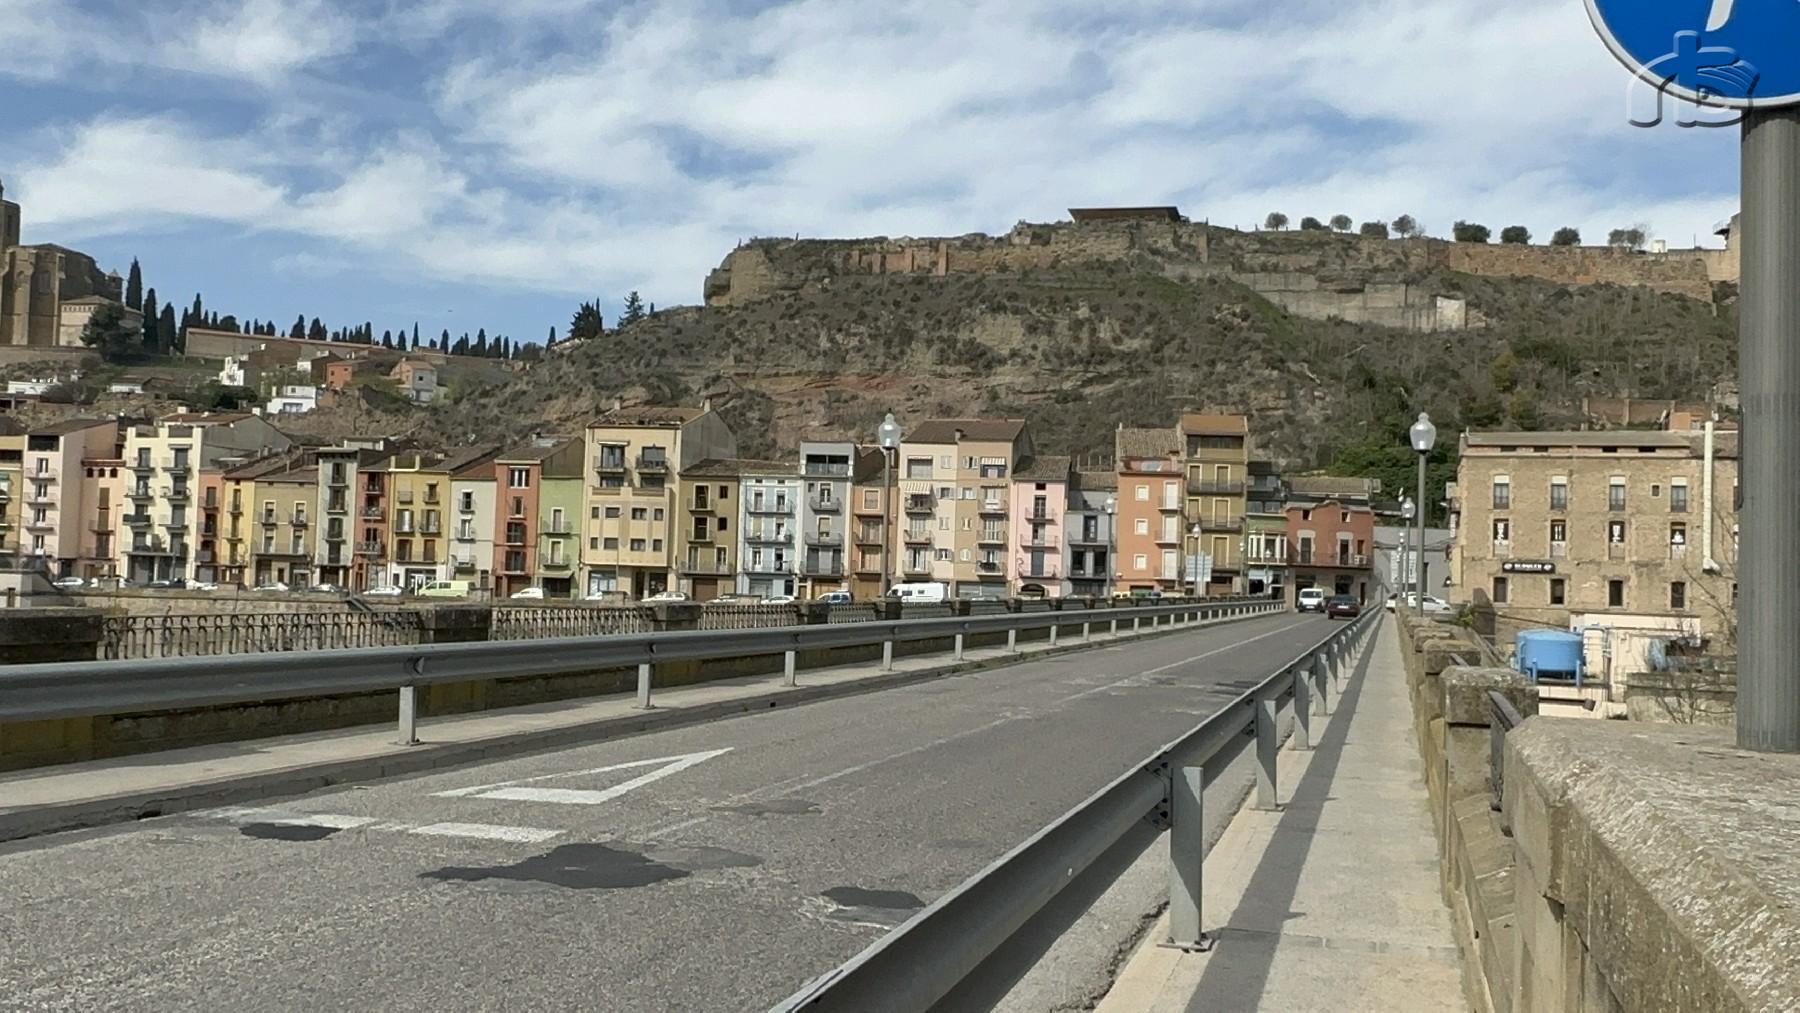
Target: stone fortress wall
<point>1311,274</point>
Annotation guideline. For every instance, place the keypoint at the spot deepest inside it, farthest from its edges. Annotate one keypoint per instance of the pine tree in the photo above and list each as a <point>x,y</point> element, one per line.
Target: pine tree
<point>167,334</point>
<point>107,332</point>
<point>462,345</point>
<point>634,310</point>
<point>299,328</point>
<point>505,348</point>
<point>149,336</point>
<point>552,339</point>
<point>317,331</point>
<point>134,286</point>
<point>587,322</point>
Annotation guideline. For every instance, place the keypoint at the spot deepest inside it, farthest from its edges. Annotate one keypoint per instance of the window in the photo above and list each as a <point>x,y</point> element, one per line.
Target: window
<point>1140,562</point>
<point>1143,493</point>
<point>1500,590</point>
<point>610,544</point>
<point>593,513</point>
<point>612,513</point>
<point>947,462</point>
<point>871,499</point>
<point>1615,494</point>
<point>1556,591</point>
<point>593,544</point>
<point>1615,594</point>
<point>1141,525</point>
<point>518,506</point>
<point>1559,494</point>
<point>639,513</point>
<point>1678,498</point>
<point>656,545</point>
<point>944,556</point>
<point>637,545</point>
<point>1559,532</point>
<point>656,514</point>
<point>966,555</point>
<point>1677,535</point>
<point>1502,492</point>
<point>699,529</point>
<point>1678,594</point>
<point>1502,530</point>
<point>518,478</point>
<point>1615,532</point>
<point>467,502</point>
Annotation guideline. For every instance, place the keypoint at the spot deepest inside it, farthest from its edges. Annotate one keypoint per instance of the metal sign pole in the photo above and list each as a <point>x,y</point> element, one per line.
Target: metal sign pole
<point>1768,704</point>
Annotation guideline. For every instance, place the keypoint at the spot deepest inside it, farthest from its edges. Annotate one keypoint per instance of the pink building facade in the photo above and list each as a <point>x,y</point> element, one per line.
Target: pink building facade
<point>1040,499</point>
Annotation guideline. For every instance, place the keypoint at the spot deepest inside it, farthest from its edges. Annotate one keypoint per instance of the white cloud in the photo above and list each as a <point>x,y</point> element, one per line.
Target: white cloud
<point>260,40</point>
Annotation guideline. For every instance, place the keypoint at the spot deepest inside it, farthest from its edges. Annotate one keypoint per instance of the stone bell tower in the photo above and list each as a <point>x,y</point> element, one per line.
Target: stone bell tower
<point>9,274</point>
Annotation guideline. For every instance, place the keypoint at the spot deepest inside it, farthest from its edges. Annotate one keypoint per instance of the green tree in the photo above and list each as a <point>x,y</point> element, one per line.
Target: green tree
<point>316,330</point>
<point>1311,224</point>
<point>1517,235</point>
<point>134,287</point>
<point>552,339</point>
<point>634,310</point>
<point>1275,222</point>
<point>1406,227</point>
<point>1374,230</point>
<point>1469,232</point>
<point>148,331</point>
<point>1566,236</point>
<point>167,333</point>
<point>109,333</point>
<point>1626,239</point>
<point>1340,223</point>
<point>587,322</point>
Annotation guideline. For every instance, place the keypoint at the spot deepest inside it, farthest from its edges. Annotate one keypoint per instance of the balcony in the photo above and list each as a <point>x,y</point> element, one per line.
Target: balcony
<point>916,504</point>
<point>176,524</point>
<point>706,567</point>
<point>42,475</point>
<point>1047,573</point>
<point>337,480</point>
<point>1087,539</point>
<point>823,568</point>
<point>371,513</point>
<point>513,538</point>
<point>178,493</point>
<point>991,538</point>
<point>824,538</point>
<point>143,465</point>
<point>780,506</point>
<point>868,536</point>
<point>987,567</point>
<point>1171,506</point>
<point>337,506</point>
<point>182,464</point>
<point>137,520</point>
<point>916,568</point>
<point>826,469</point>
<point>655,465</point>
<point>465,536</point>
<point>462,564</point>
<point>369,549</point>
<point>269,520</point>
<point>1167,538</point>
<point>334,536</point>
<point>554,564</point>
<point>557,528</point>
<point>372,487</point>
<point>47,524</point>
<point>514,567</point>
<point>1037,541</point>
<point>994,507</point>
<point>431,527</point>
<point>431,496</point>
<point>149,547</point>
<point>1221,523</point>
<point>917,538</point>
<point>298,520</point>
<point>137,494</point>
<point>610,463</point>
<point>204,556</point>
<point>1215,488</point>
<point>825,504</point>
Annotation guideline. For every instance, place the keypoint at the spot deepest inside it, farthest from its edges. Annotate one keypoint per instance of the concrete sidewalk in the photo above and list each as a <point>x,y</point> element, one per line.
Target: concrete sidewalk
<point>97,792</point>
<point>1332,902</point>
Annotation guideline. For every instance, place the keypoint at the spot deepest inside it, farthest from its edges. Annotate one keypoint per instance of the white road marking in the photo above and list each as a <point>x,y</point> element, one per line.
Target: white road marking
<point>487,832</point>
<point>512,792</point>
<point>334,821</point>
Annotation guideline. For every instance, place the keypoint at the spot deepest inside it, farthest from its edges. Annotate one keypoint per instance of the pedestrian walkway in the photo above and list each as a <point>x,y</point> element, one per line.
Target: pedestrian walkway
<point>96,792</point>
<point>1332,902</point>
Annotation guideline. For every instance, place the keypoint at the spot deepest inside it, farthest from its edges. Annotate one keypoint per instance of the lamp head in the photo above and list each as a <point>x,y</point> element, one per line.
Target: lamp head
<point>1406,508</point>
<point>888,433</point>
<point>1423,434</point>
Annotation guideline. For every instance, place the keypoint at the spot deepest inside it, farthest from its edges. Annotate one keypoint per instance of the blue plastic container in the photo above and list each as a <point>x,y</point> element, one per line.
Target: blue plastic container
<point>1547,654</point>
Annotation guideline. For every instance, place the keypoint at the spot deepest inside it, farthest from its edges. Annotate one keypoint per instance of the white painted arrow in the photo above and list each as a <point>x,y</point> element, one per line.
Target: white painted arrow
<point>1721,13</point>
<point>513,792</point>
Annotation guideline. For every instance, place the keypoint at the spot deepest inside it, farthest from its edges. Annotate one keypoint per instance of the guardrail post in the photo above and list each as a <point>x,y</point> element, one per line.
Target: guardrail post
<point>887,655</point>
<point>1266,754</point>
<point>409,715</point>
<point>1012,641</point>
<point>644,670</point>
<point>1134,624</point>
<point>958,655</point>
<point>1187,852</point>
<point>787,667</point>
<point>1053,634</point>
<point>1317,663</point>
<point>1302,708</point>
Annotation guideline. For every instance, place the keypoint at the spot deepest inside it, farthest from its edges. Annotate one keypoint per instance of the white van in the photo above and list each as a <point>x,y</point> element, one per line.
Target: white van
<point>927,592</point>
<point>1310,599</point>
<point>445,589</point>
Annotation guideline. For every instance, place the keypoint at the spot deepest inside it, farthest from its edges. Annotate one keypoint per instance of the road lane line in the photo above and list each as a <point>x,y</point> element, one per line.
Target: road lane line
<point>510,789</point>
<point>487,832</point>
<point>286,818</point>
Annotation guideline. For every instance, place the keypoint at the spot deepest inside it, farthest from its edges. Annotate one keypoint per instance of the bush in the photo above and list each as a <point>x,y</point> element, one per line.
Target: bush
<point>1275,222</point>
<point>1340,223</point>
<point>1311,224</point>
<point>1566,236</point>
<point>1517,235</point>
<point>1374,230</point>
<point>1469,232</point>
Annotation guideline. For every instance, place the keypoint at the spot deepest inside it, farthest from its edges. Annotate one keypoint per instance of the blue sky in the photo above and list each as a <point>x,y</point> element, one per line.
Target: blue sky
<point>465,163</point>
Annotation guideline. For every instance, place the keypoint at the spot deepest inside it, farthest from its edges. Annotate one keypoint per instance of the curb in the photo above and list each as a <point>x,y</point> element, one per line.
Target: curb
<point>230,790</point>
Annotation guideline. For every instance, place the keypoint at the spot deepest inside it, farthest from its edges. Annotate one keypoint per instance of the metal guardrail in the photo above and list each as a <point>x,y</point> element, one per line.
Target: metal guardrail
<point>1504,718</point>
<point>87,688</point>
<point>921,961</point>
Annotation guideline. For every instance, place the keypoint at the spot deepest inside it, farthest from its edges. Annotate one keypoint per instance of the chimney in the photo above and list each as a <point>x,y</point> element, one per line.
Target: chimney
<point>959,436</point>
<point>618,404</point>
<point>706,405</point>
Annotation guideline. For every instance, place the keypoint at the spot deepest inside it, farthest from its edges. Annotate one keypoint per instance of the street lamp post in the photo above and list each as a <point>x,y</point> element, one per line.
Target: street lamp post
<point>1112,550</point>
<point>1193,562</point>
<point>1424,437</point>
<point>1406,578</point>
<point>887,435</point>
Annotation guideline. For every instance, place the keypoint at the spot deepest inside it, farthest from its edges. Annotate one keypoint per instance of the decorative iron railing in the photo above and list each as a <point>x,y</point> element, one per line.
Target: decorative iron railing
<point>747,617</point>
<point>134,637</point>
<point>531,622</point>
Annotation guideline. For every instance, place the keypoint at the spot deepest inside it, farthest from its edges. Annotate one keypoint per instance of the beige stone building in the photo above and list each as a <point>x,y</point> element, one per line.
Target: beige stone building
<point>1589,528</point>
<point>47,292</point>
<point>956,488</point>
<point>1216,452</point>
<point>635,461</point>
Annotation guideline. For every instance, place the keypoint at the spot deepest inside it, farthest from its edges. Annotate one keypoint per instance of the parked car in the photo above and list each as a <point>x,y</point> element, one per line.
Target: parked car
<point>1342,606</point>
<point>172,584</point>
<point>666,596</point>
<point>385,591</point>
<point>780,599</point>
<point>68,583</point>
<point>205,585</point>
<point>1310,599</point>
<point>836,598</point>
<point>528,594</point>
<point>731,598</point>
<point>273,585</point>
<point>615,597</point>
<point>325,589</point>
<point>1433,605</point>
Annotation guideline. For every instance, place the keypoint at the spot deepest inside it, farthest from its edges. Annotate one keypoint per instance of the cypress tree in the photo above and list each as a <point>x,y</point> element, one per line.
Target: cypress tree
<point>150,322</point>
<point>166,329</point>
<point>134,286</point>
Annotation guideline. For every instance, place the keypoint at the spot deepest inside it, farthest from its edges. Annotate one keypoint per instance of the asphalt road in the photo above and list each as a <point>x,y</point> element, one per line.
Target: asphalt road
<point>714,867</point>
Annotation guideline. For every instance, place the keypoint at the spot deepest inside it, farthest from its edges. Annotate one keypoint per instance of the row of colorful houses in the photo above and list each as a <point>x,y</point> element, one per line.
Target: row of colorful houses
<point>652,499</point>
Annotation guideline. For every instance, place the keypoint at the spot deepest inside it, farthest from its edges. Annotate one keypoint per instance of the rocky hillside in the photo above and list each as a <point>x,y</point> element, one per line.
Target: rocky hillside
<point>1078,349</point>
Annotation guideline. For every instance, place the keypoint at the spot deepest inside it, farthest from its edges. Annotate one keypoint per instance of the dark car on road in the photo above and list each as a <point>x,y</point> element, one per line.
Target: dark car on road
<point>1342,606</point>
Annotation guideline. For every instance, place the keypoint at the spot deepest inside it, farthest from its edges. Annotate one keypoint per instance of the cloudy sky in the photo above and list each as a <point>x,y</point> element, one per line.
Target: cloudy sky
<point>471,163</point>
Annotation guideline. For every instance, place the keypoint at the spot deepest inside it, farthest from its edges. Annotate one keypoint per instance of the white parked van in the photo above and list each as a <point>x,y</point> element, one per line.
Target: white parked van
<point>924,593</point>
<point>1310,599</point>
<point>445,589</point>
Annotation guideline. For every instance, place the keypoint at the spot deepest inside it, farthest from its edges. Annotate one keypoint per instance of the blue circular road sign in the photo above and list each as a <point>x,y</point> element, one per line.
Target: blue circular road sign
<point>1738,53</point>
